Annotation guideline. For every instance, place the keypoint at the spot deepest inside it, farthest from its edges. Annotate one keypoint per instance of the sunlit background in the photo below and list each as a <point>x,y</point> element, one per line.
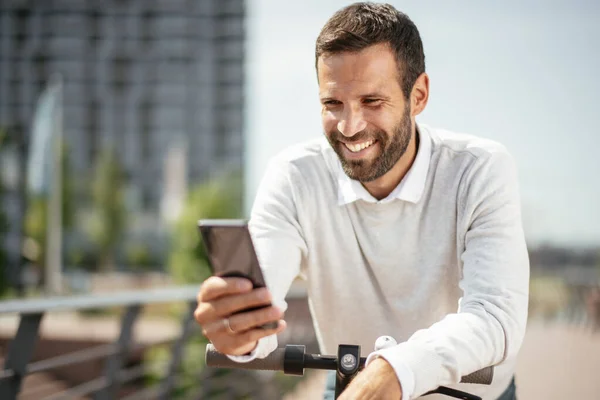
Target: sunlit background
<point>165,112</point>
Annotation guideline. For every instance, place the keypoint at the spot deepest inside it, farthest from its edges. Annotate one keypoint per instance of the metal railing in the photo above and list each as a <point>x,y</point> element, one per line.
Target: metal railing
<point>18,363</point>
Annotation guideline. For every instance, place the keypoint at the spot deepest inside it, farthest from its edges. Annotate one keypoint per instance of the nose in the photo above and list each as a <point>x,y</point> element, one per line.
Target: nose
<point>351,122</point>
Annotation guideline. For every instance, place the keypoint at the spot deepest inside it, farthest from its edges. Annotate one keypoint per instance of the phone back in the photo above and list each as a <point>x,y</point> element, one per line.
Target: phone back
<point>230,249</point>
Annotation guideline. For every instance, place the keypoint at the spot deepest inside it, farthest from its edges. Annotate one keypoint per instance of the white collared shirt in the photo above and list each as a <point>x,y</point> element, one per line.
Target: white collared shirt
<point>409,189</point>
<point>441,264</point>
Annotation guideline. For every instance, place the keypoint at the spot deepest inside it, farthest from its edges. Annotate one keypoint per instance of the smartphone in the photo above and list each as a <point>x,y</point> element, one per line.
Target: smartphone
<point>231,253</point>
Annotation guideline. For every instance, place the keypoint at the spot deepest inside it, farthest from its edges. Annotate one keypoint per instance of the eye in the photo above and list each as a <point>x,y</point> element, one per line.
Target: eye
<point>332,102</point>
<point>372,101</point>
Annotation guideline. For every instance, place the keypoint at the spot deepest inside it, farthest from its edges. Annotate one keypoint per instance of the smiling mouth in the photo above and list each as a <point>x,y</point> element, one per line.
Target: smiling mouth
<point>357,147</point>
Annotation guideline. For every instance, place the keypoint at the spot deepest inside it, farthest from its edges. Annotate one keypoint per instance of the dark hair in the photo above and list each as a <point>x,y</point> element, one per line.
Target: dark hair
<point>360,25</point>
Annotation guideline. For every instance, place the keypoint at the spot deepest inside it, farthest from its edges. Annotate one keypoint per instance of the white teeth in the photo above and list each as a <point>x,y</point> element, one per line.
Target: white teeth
<point>356,147</point>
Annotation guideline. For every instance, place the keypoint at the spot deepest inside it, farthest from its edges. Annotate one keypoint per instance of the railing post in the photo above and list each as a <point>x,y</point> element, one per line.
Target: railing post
<point>177,352</point>
<point>19,354</point>
<point>114,363</point>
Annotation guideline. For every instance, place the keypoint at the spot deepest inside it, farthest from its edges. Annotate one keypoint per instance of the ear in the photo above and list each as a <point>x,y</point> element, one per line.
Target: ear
<point>419,95</point>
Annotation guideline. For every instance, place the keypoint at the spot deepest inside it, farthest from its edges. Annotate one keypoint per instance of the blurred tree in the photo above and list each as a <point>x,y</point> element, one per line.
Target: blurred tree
<point>188,264</point>
<point>36,222</point>
<point>3,225</point>
<point>36,215</point>
<point>3,254</point>
<point>215,199</point>
<point>68,188</point>
<point>138,256</point>
<point>109,216</point>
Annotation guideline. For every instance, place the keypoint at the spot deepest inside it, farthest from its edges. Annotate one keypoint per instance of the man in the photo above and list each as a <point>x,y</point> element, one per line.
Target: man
<point>399,228</point>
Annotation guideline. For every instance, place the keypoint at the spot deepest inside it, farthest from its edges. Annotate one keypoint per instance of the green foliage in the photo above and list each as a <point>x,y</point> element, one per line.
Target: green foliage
<point>68,187</point>
<point>189,374</point>
<point>187,264</point>
<point>36,222</point>
<point>3,227</point>
<point>219,199</point>
<point>109,214</point>
<point>80,258</point>
<point>216,199</point>
<point>3,256</point>
<point>36,215</point>
<point>138,255</point>
<point>195,380</point>
<point>3,137</point>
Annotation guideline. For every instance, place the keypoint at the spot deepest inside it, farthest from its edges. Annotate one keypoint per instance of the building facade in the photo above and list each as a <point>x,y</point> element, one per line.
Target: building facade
<point>143,76</point>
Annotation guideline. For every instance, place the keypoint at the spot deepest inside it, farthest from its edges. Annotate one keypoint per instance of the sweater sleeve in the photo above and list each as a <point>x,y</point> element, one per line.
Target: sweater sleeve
<point>277,237</point>
<point>489,325</point>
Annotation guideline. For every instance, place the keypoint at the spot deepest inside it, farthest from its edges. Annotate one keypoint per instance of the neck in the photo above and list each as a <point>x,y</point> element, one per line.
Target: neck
<point>381,187</point>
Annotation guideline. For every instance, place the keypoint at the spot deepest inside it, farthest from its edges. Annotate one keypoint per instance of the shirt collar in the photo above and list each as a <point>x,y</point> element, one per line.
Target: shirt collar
<point>409,189</point>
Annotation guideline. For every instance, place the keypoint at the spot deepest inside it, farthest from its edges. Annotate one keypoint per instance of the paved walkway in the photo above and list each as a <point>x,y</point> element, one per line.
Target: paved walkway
<point>559,362</point>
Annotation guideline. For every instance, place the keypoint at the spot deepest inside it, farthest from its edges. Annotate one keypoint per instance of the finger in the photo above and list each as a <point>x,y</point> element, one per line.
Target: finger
<point>214,327</point>
<point>253,319</point>
<point>223,307</point>
<point>215,287</point>
<point>226,306</point>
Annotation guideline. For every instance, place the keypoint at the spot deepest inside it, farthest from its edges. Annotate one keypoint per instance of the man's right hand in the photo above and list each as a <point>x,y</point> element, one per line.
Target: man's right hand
<point>218,301</point>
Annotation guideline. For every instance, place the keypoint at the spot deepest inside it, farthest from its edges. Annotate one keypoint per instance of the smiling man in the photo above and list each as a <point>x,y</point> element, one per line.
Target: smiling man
<point>400,229</point>
<point>368,122</point>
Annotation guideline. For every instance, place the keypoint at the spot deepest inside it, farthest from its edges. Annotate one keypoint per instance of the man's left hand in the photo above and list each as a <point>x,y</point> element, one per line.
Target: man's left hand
<point>377,381</point>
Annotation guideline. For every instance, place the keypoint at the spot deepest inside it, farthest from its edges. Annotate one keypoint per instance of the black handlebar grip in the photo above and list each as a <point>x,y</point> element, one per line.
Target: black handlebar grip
<point>273,362</point>
<point>483,376</point>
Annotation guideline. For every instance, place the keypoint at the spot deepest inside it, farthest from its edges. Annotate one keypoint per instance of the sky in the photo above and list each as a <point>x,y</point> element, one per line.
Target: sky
<point>522,73</point>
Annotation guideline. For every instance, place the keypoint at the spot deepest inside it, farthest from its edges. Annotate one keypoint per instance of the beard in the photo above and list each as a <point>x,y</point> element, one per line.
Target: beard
<point>391,147</point>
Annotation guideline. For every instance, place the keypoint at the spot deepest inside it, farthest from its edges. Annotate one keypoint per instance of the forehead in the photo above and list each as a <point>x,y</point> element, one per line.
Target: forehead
<point>373,69</point>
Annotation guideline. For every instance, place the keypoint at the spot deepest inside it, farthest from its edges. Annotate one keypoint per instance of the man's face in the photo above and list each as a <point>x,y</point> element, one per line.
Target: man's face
<point>365,116</point>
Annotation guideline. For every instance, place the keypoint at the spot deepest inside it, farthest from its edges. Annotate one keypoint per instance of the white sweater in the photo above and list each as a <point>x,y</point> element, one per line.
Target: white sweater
<point>441,264</point>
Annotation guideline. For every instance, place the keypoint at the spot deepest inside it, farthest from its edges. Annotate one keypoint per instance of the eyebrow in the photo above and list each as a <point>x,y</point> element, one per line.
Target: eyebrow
<point>363,96</point>
<point>375,94</point>
<point>327,98</point>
